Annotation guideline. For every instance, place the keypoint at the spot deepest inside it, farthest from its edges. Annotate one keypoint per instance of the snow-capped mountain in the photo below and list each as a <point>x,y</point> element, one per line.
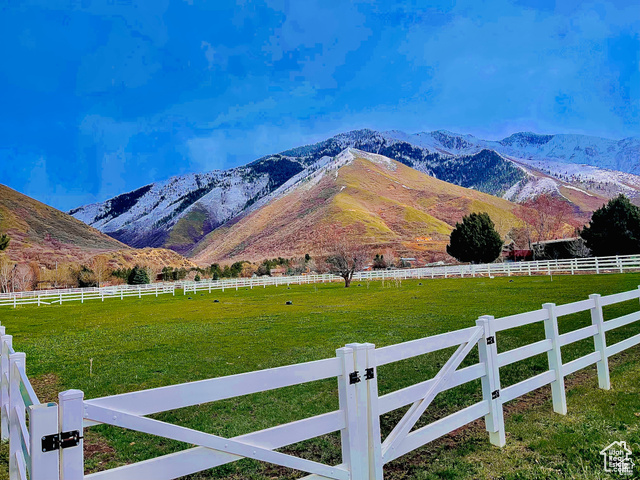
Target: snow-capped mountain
<point>180,211</point>
<point>145,216</point>
<point>622,155</point>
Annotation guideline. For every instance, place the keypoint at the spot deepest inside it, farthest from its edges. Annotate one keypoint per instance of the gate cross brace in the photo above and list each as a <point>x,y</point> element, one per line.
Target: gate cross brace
<point>214,442</point>
<point>404,426</point>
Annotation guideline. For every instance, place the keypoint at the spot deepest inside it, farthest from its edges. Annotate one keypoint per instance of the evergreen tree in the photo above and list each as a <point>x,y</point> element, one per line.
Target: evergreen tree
<point>614,229</point>
<point>167,273</point>
<point>379,262</point>
<point>138,276</point>
<point>215,271</point>
<point>475,240</point>
<point>4,241</point>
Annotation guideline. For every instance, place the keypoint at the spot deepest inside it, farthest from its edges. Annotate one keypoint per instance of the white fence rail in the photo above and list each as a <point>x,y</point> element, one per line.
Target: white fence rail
<point>52,447</point>
<point>24,420</point>
<point>598,265</point>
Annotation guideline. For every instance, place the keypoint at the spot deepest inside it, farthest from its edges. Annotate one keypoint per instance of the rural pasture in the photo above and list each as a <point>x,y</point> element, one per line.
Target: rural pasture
<point>134,344</point>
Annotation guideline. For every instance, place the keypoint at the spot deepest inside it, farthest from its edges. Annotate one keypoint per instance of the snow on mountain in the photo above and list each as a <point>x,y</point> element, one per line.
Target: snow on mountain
<point>532,188</point>
<point>178,212</point>
<point>622,155</point>
<point>144,217</point>
<point>587,177</point>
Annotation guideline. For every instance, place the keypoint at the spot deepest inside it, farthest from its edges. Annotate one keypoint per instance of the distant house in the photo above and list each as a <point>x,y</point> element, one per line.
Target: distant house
<point>510,253</point>
<point>278,271</point>
<point>407,262</point>
<point>554,249</point>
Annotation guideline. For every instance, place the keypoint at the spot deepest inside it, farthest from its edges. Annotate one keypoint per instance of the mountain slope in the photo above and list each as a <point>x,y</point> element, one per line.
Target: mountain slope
<point>46,235</point>
<point>177,213</point>
<point>394,206</point>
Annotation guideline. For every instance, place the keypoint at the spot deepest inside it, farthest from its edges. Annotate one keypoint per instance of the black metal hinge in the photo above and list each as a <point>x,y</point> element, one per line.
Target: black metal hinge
<point>491,340</point>
<point>57,441</point>
<point>354,377</point>
<point>50,442</point>
<point>495,394</point>
<point>368,373</point>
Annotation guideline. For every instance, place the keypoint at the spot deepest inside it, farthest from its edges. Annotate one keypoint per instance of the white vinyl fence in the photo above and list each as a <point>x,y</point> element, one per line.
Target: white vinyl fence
<point>50,446</point>
<point>597,265</point>
<point>52,297</point>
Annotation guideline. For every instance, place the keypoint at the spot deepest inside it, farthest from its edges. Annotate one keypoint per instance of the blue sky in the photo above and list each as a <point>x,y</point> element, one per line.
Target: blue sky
<point>102,96</point>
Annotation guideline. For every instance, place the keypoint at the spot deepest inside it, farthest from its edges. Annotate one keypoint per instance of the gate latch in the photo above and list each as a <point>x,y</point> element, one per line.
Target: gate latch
<point>368,373</point>
<point>70,439</point>
<point>57,441</point>
<point>354,377</point>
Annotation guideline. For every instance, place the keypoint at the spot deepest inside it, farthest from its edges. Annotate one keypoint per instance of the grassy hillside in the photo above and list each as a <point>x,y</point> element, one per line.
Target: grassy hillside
<point>393,205</point>
<point>42,233</point>
<point>153,257</point>
<point>142,343</point>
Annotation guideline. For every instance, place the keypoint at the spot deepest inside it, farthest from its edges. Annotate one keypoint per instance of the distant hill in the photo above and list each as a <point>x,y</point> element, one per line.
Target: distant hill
<point>156,258</point>
<point>392,205</point>
<point>46,235</point>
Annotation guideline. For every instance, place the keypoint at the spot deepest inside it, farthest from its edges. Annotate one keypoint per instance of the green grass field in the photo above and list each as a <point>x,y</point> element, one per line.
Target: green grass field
<point>143,343</point>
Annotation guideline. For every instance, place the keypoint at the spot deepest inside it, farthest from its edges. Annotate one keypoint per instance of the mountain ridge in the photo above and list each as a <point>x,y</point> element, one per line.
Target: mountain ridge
<point>390,205</point>
<point>179,212</point>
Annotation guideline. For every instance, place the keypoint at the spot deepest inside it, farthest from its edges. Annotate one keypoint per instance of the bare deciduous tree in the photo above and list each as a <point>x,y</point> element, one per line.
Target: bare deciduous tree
<point>99,265</point>
<point>546,216</point>
<point>6,270</point>
<point>578,248</point>
<point>22,277</point>
<point>344,253</point>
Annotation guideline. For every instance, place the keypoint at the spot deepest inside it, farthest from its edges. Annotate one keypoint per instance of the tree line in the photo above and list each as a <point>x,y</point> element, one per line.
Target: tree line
<point>614,229</point>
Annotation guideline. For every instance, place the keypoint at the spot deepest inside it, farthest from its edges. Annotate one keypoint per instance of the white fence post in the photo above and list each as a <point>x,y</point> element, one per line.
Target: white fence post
<point>70,415</point>
<point>43,421</point>
<point>488,352</point>
<point>15,403</point>
<point>554,357</point>
<point>600,343</point>
<point>373,414</point>
<point>362,406</point>
<point>4,384</point>
<point>354,447</point>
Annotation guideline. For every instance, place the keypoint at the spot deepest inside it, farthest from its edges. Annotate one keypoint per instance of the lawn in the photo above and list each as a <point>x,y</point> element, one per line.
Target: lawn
<point>134,344</point>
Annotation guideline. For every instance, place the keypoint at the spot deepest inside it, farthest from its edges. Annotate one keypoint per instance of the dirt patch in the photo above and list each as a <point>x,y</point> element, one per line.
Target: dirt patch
<point>97,450</point>
<point>47,387</point>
